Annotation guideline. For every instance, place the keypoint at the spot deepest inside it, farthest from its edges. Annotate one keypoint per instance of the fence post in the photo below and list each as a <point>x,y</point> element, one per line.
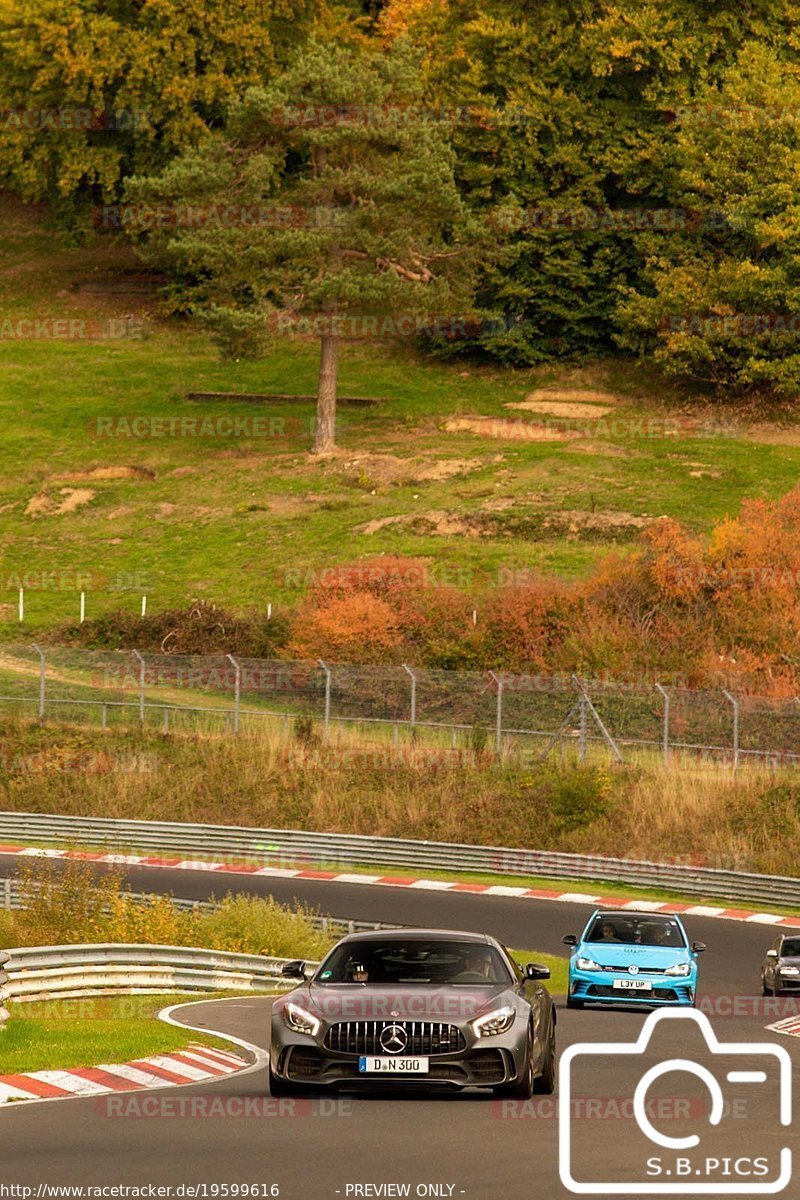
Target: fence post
<point>582,729</point>
<point>42,673</point>
<point>499,718</point>
<point>140,661</point>
<point>665,695</point>
<point>327,671</point>
<point>4,957</point>
<point>735,705</point>
<point>413,678</point>
<point>238,691</point>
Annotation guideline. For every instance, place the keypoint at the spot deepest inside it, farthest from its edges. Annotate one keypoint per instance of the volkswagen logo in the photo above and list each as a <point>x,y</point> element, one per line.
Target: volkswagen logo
<point>393,1039</point>
<point>633,970</point>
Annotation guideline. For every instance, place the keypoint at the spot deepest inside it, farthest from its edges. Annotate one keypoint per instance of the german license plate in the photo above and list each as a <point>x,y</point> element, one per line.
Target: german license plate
<point>378,1064</point>
<point>633,985</point>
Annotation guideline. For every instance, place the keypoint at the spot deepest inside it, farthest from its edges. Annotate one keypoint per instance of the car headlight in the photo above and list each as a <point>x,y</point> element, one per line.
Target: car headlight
<point>789,970</point>
<point>496,1021</point>
<point>588,964</point>
<point>682,969</point>
<point>300,1020</point>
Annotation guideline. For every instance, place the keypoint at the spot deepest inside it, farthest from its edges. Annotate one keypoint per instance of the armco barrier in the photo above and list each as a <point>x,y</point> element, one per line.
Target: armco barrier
<point>64,972</point>
<point>285,846</point>
<point>3,989</point>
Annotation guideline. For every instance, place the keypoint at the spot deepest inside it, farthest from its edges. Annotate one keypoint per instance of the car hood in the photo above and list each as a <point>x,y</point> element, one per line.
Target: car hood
<point>451,1003</point>
<point>613,954</point>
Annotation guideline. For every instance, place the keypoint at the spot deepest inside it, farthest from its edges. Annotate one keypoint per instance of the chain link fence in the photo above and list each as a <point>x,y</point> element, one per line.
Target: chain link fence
<point>532,715</point>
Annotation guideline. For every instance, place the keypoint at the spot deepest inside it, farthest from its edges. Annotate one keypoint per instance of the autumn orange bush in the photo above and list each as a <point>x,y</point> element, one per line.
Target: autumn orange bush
<point>717,611</point>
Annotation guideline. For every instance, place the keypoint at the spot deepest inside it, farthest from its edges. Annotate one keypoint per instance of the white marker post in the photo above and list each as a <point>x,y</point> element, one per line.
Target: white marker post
<point>144,606</point>
<point>83,607</point>
<point>21,605</point>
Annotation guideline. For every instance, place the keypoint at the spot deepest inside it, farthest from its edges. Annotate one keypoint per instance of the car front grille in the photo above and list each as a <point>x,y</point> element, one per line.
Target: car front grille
<point>642,970</point>
<point>422,1037</point>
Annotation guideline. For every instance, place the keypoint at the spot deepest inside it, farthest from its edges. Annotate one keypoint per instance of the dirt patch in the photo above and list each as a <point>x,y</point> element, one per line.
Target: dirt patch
<point>436,523</point>
<point>603,449</point>
<point>45,505</point>
<point>182,472</point>
<point>574,395</point>
<point>124,510</point>
<point>108,473</point>
<point>39,506</point>
<point>165,510</point>
<point>384,469</point>
<point>74,498</point>
<point>574,520</point>
<point>507,430</point>
<point>582,405</point>
<point>499,503</point>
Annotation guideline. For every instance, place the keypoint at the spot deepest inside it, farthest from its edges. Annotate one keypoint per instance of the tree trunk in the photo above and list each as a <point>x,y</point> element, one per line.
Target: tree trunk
<point>325,439</point>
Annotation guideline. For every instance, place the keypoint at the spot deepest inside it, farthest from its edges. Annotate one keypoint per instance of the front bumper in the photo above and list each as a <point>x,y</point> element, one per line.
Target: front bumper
<point>597,987</point>
<point>483,1062</point>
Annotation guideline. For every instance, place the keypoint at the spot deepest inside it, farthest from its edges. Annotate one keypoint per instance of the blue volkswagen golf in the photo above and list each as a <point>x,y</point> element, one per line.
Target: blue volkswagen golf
<point>627,956</point>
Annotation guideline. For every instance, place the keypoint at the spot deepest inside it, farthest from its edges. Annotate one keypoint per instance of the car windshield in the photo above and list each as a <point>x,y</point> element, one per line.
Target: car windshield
<point>636,931</point>
<point>414,962</point>
<point>790,948</point>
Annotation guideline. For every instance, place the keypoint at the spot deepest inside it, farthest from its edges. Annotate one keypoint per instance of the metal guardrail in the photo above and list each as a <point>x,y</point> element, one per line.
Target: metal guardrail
<point>66,972</point>
<point>13,896</point>
<point>3,989</point>
<point>286,846</point>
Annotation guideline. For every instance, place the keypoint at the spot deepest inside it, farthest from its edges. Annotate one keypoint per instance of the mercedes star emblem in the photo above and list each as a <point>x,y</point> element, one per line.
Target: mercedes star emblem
<point>393,1039</point>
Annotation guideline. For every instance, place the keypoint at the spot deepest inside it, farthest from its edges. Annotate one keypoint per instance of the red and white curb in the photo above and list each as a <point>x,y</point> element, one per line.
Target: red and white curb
<point>433,885</point>
<point>790,1026</point>
<point>195,1064</point>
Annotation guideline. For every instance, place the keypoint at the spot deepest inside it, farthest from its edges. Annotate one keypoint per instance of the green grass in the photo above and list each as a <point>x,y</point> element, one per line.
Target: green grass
<point>87,1032</point>
<point>249,519</point>
<point>558,982</point>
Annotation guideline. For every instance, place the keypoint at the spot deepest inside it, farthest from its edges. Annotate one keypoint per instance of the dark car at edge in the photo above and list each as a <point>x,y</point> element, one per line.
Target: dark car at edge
<point>780,970</point>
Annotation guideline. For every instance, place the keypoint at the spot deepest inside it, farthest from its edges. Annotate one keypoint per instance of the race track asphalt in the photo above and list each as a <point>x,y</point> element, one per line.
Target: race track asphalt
<point>470,1145</point>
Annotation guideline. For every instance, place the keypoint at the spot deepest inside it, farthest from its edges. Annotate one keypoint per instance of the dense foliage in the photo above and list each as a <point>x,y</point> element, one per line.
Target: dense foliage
<point>636,163</point>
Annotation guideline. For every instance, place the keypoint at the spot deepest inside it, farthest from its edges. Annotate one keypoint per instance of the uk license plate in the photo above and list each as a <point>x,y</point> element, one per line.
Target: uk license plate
<point>633,985</point>
<point>379,1064</point>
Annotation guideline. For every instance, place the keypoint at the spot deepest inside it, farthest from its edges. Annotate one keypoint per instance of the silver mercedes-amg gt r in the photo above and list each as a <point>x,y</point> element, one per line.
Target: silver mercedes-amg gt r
<point>415,1006</point>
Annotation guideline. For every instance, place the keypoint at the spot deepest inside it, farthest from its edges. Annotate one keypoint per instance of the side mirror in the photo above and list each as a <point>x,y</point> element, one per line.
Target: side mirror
<point>698,947</point>
<point>296,969</point>
<point>537,971</point>
<point>570,940</point>
<point>772,954</point>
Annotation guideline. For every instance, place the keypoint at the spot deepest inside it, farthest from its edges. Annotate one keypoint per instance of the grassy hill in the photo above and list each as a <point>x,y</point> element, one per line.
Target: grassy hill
<point>246,518</point>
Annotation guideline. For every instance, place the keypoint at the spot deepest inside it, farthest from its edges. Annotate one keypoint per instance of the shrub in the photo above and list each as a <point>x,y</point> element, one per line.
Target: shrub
<point>200,628</point>
<point>355,627</point>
